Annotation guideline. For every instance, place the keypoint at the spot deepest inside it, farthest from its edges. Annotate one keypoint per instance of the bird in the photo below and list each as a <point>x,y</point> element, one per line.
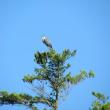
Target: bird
<point>46,41</point>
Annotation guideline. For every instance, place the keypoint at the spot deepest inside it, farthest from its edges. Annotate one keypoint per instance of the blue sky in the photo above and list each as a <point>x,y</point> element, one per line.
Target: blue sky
<point>75,24</point>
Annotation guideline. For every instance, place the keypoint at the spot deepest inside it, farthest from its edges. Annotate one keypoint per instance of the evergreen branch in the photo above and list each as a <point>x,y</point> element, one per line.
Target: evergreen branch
<point>42,100</point>
<point>14,98</point>
<point>101,102</point>
<point>101,97</point>
<point>23,99</point>
<point>30,78</point>
<point>76,79</point>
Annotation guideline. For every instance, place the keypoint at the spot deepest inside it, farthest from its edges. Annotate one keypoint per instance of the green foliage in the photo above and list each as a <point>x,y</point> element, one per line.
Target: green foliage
<point>77,78</point>
<point>51,74</point>
<point>100,96</point>
<point>101,102</point>
<point>106,106</point>
<point>14,98</point>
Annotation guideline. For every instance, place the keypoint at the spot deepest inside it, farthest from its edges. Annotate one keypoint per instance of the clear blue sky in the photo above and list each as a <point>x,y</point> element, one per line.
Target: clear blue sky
<point>75,24</point>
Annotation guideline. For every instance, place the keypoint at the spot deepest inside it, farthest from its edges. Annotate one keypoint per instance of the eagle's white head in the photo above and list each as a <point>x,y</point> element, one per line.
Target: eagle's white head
<point>43,39</point>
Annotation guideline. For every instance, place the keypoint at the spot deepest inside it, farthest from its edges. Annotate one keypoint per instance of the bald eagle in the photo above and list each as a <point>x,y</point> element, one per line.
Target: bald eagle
<point>46,41</point>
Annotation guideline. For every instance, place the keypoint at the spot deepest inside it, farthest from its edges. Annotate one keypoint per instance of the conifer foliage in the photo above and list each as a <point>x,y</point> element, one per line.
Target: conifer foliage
<point>101,102</point>
<point>49,81</point>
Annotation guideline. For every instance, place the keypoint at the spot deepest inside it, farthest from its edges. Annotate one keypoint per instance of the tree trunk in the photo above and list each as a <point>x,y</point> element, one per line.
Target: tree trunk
<point>56,103</point>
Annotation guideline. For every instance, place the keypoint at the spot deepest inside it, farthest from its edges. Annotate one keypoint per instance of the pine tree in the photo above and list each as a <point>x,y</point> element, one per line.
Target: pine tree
<point>49,81</point>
